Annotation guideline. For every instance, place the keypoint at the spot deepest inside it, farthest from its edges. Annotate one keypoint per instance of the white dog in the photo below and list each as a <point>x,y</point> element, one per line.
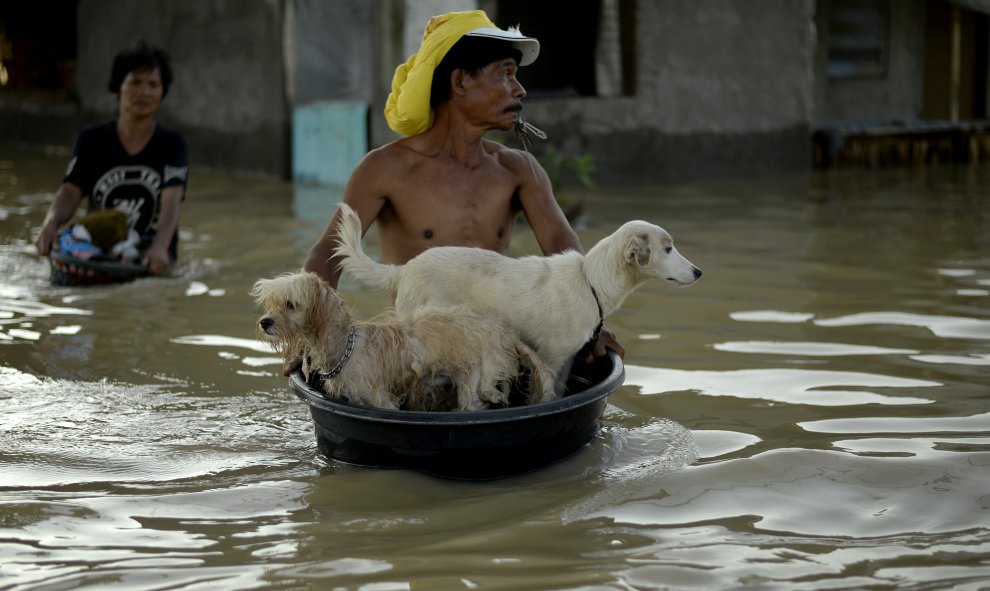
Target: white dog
<point>556,303</point>
<point>399,359</point>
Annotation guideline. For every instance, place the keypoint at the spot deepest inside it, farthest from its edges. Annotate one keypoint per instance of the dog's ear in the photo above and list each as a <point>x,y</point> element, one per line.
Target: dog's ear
<point>638,249</point>
<point>258,290</point>
<point>316,311</point>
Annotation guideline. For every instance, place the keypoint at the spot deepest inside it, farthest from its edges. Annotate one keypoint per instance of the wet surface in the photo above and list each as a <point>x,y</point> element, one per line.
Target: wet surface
<point>811,414</point>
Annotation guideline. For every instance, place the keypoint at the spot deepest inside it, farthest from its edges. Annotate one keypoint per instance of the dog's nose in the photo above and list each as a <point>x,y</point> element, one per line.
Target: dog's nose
<point>266,323</point>
<point>697,272</point>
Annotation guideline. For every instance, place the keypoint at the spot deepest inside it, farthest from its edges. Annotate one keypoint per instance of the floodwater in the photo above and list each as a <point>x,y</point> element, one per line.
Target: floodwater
<point>812,414</point>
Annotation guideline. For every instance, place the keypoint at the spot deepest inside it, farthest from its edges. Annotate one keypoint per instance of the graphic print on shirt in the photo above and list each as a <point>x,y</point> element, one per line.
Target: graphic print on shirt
<point>176,172</point>
<point>132,190</point>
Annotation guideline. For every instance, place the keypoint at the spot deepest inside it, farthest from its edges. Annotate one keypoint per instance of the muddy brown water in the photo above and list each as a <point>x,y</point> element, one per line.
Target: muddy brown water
<point>812,414</point>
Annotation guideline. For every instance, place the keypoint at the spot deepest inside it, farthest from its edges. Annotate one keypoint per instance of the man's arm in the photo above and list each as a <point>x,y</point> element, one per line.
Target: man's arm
<point>64,206</point>
<point>320,259</point>
<point>549,224</point>
<point>362,194</point>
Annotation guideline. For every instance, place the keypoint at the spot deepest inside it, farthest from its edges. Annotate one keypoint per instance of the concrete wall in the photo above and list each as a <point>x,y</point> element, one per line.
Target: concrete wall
<point>724,88</point>
<point>328,50</point>
<point>228,97</point>
<point>896,95</point>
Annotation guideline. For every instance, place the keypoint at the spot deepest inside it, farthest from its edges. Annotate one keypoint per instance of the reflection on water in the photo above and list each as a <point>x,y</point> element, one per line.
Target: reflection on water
<point>795,386</point>
<point>973,424</point>
<point>811,414</point>
<point>943,326</point>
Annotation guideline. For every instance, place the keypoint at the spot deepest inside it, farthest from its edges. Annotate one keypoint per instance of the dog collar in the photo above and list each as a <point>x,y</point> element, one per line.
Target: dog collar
<point>601,316</point>
<point>348,349</point>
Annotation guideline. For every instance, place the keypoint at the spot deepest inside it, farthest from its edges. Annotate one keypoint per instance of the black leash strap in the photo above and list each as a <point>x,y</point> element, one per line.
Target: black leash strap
<point>601,316</point>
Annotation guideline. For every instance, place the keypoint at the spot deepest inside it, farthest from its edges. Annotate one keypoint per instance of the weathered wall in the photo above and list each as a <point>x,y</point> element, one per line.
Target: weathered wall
<point>897,95</point>
<point>724,88</point>
<point>228,96</point>
<point>328,50</point>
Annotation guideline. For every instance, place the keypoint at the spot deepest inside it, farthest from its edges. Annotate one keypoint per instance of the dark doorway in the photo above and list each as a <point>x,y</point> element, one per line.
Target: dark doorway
<point>944,21</point>
<point>38,48</point>
<point>569,50</point>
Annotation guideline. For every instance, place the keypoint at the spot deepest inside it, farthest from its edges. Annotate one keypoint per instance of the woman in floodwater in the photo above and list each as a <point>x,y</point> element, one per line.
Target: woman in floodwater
<point>131,164</point>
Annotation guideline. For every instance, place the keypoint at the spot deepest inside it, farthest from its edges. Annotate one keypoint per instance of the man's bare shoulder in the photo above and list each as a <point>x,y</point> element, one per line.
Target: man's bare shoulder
<point>512,159</point>
<point>384,155</point>
<point>390,161</point>
<point>501,150</point>
<point>400,153</point>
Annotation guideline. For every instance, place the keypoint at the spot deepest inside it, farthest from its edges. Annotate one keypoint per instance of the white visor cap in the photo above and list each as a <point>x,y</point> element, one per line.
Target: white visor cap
<point>529,46</point>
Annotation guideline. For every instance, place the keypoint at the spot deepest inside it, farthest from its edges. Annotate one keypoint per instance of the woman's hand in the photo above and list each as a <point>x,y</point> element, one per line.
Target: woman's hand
<point>45,241</point>
<point>64,205</point>
<point>156,259</point>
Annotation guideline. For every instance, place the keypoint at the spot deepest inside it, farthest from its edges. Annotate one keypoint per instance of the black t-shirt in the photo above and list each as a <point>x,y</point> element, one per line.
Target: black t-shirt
<point>114,179</point>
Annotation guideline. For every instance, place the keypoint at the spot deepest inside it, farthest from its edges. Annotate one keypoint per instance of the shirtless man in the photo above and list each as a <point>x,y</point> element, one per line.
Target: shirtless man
<point>444,184</point>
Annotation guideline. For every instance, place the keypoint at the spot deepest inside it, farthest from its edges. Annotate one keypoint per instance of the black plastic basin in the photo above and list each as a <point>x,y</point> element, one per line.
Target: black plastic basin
<point>466,445</point>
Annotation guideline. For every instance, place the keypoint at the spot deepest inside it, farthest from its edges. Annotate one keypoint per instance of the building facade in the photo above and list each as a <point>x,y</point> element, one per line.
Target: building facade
<point>652,90</point>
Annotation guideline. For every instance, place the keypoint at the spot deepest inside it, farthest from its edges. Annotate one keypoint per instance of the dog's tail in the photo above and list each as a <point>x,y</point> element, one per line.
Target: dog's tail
<point>353,259</point>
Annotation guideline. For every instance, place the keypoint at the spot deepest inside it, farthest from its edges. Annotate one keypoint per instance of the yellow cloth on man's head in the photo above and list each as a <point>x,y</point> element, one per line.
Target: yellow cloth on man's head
<point>408,107</point>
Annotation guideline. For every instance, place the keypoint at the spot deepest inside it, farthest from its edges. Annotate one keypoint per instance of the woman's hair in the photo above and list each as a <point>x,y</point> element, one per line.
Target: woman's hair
<point>470,54</point>
<point>140,58</point>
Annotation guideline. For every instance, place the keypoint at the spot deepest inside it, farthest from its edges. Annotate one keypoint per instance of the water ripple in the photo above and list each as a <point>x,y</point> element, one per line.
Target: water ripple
<point>957,327</point>
<point>795,386</point>
<point>970,424</point>
<point>38,309</point>
<point>867,497</point>
<point>971,359</point>
<point>211,340</point>
<point>807,348</point>
<point>636,462</point>
<point>69,433</point>
<point>771,316</point>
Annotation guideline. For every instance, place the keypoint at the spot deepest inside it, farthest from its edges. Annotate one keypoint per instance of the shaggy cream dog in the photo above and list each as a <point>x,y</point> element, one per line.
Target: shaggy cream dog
<point>556,303</point>
<point>406,359</point>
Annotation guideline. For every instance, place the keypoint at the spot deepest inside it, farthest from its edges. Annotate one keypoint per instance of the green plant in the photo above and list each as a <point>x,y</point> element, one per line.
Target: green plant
<point>556,163</point>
